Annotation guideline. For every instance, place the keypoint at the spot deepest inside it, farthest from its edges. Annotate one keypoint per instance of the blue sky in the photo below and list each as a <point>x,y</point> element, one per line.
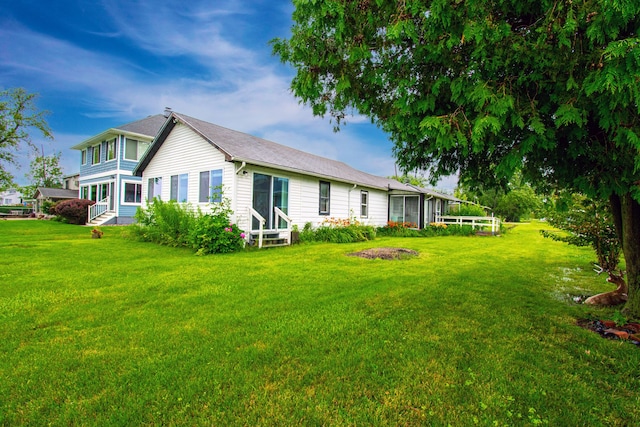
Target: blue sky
<point>100,64</point>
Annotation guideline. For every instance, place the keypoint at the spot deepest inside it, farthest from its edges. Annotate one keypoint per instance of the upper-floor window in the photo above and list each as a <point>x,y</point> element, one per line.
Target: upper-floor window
<point>134,149</point>
<point>111,149</point>
<point>84,156</point>
<point>210,186</point>
<point>325,193</point>
<point>96,154</point>
<point>364,204</point>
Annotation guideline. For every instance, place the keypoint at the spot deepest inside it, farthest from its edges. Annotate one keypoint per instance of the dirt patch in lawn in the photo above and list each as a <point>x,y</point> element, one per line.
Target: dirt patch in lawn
<point>385,253</point>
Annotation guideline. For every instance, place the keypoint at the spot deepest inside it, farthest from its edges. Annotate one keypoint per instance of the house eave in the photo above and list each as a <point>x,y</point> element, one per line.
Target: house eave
<point>107,134</point>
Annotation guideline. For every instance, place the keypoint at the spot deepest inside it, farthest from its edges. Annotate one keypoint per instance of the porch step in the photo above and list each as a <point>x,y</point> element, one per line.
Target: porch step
<point>270,239</point>
<point>102,219</point>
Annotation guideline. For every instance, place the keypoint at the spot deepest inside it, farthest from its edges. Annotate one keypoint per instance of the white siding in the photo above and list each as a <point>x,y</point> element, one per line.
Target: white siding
<point>184,151</point>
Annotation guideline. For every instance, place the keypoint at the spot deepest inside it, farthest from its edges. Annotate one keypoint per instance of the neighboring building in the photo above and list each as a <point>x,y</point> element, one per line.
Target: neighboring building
<point>10,197</point>
<point>71,182</point>
<point>107,160</point>
<point>52,195</point>
<point>271,183</point>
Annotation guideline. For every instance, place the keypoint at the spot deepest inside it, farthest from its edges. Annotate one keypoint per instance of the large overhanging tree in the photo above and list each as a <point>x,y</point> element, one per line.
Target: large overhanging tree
<point>488,87</point>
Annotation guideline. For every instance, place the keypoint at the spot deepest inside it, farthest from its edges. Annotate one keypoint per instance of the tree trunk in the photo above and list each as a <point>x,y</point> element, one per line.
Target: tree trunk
<point>626,213</point>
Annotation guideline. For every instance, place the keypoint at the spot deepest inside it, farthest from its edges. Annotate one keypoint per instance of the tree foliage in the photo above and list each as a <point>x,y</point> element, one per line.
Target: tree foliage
<point>547,87</point>
<point>18,116</point>
<point>587,222</point>
<point>45,172</point>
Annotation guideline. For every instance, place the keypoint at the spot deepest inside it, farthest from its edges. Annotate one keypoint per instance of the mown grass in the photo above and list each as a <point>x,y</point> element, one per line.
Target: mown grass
<point>476,330</point>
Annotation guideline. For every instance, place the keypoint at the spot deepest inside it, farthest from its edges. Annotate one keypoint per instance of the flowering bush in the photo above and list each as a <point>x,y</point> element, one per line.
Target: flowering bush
<point>215,234</point>
<point>338,230</point>
<point>174,224</point>
<point>438,224</point>
<point>74,211</point>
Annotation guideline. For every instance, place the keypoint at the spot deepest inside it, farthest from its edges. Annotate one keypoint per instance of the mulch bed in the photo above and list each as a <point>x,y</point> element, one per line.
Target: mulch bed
<point>609,329</point>
<point>385,253</point>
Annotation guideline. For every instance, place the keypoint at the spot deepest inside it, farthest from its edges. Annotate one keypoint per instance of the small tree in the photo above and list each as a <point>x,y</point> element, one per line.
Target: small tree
<point>44,171</point>
<point>73,210</point>
<point>18,115</point>
<point>588,223</point>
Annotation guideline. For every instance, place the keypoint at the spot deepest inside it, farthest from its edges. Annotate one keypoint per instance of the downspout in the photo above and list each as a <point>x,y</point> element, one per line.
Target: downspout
<point>349,198</point>
<point>242,166</point>
<point>234,197</point>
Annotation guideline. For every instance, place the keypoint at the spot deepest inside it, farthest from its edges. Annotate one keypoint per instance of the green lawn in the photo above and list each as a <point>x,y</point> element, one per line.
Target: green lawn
<point>476,330</point>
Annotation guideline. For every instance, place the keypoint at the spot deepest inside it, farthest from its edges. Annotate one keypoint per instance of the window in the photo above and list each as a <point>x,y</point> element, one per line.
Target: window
<point>325,193</point>
<point>96,154</point>
<point>210,186</point>
<point>364,204</point>
<point>405,209</point>
<point>179,187</point>
<point>134,149</point>
<point>84,156</point>
<point>132,192</point>
<point>111,149</point>
<point>154,189</point>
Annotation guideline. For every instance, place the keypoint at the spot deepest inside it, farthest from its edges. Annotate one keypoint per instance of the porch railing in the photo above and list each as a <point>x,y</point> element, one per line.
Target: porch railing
<point>474,221</point>
<point>281,215</point>
<point>98,209</point>
<point>261,221</point>
<point>277,217</point>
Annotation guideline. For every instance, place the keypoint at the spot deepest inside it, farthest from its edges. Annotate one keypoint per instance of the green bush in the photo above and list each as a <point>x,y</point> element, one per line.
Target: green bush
<point>466,209</point>
<point>74,211</point>
<point>174,224</point>
<point>166,223</point>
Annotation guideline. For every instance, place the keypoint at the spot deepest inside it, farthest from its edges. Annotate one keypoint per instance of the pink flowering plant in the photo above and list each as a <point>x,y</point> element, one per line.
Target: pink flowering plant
<point>215,233</point>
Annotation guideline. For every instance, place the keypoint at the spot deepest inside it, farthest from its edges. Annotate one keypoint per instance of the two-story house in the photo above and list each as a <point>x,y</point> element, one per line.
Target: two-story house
<point>107,160</point>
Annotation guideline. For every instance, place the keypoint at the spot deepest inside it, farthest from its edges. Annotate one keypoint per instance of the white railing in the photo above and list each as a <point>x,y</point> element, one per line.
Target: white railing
<point>474,221</point>
<point>98,209</point>
<point>287,220</point>
<point>261,221</point>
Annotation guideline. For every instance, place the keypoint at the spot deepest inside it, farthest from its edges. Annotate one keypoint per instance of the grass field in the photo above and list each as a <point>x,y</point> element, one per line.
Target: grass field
<point>475,330</point>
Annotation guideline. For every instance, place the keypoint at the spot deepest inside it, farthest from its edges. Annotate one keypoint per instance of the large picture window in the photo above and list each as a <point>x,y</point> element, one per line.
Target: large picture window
<point>134,149</point>
<point>210,186</point>
<point>325,197</point>
<point>179,187</point>
<point>154,189</point>
<point>132,192</point>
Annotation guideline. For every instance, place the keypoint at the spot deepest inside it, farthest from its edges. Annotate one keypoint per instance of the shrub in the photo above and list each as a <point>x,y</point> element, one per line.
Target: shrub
<point>399,229</point>
<point>47,206</point>
<point>336,230</point>
<point>214,233</point>
<point>174,224</point>
<point>467,209</point>
<point>74,211</point>
<point>167,223</point>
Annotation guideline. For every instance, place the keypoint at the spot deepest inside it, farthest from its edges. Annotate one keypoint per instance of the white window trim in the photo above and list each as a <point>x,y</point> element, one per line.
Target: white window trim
<point>93,154</point>
<point>123,191</point>
<point>83,157</point>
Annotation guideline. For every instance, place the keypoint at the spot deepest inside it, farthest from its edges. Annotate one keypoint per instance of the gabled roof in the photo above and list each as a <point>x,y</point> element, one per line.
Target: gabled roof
<point>146,129</point>
<point>241,147</point>
<point>56,193</point>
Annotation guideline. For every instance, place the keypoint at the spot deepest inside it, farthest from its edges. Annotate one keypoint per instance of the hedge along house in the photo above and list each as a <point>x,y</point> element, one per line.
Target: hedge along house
<point>270,187</point>
<point>107,162</point>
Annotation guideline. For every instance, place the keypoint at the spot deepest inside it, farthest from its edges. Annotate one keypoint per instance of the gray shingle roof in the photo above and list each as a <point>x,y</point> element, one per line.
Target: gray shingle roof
<point>241,147</point>
<point>57,193</point>
<point>147,126</point>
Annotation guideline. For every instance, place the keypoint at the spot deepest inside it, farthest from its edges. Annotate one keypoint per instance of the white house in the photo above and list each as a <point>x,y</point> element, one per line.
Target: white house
<point>272,186</point>
<point>10,197</point>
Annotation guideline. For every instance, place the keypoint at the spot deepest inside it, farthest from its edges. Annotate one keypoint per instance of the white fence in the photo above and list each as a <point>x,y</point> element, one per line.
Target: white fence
<point>475,221</point>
